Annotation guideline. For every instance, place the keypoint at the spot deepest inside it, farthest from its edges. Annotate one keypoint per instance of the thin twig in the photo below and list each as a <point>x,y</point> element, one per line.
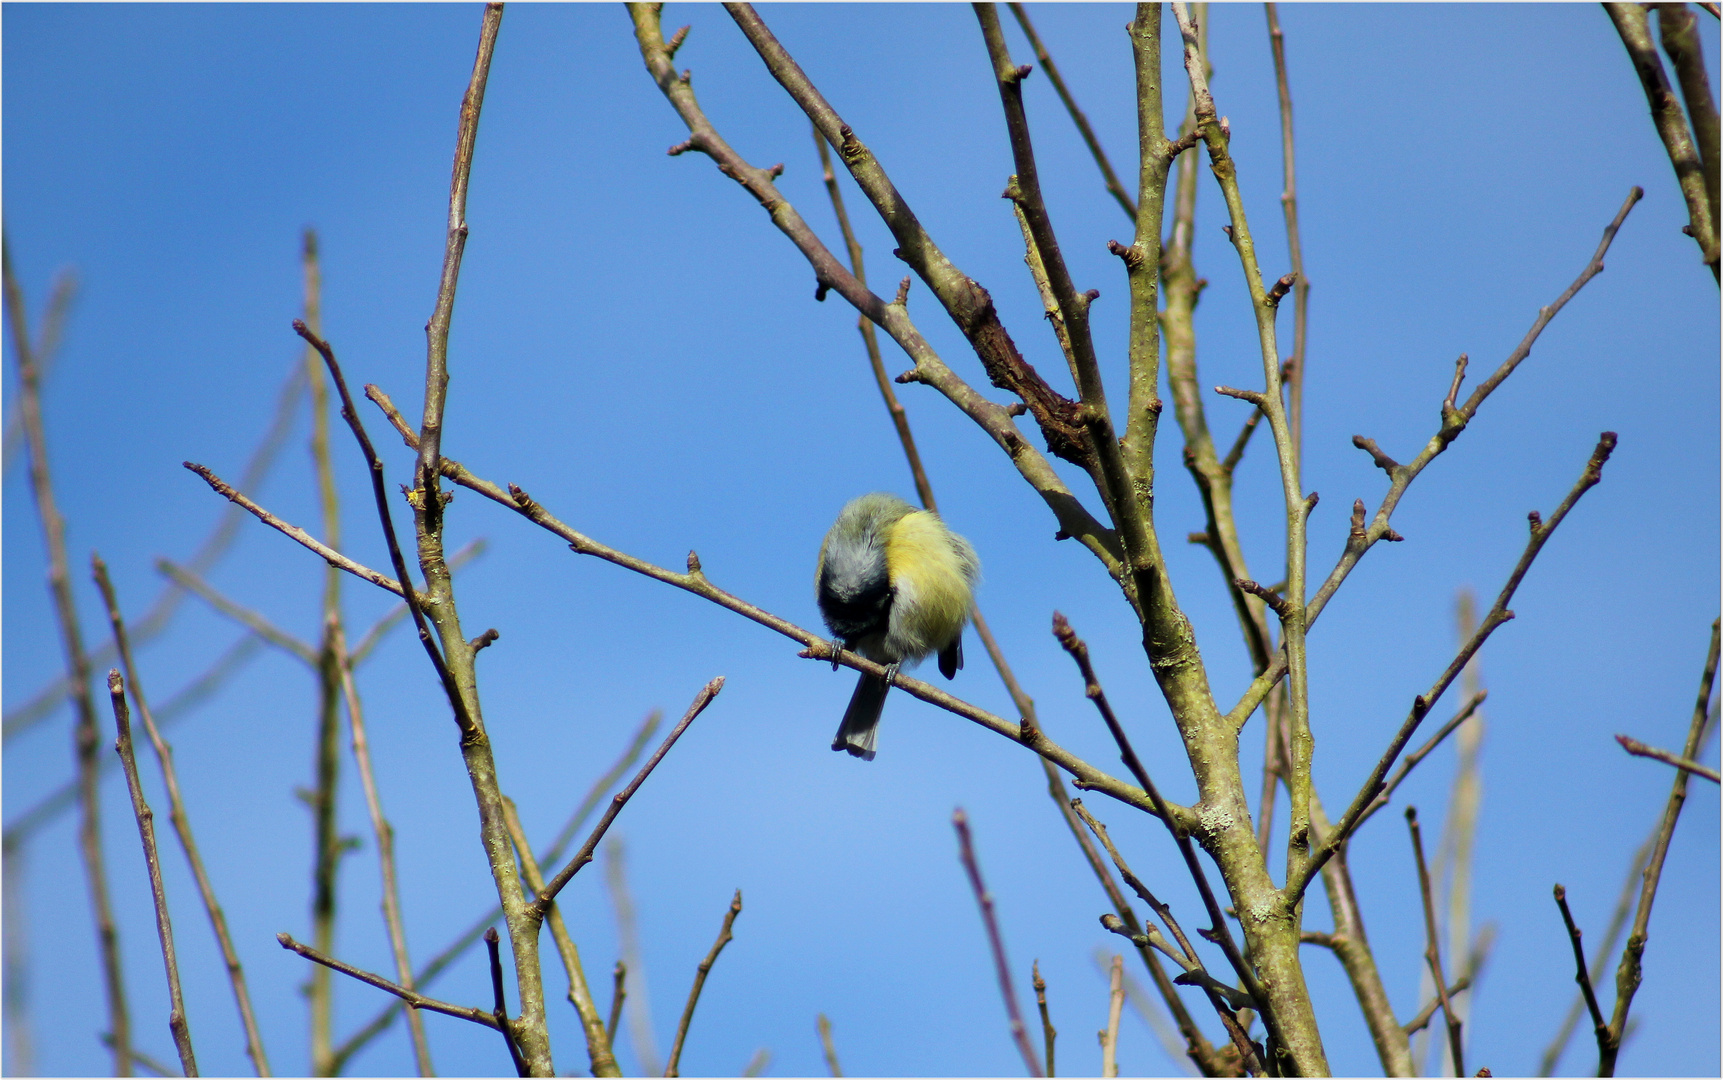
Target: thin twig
<point>1599,1026</point>
<point>1305,1046</point>
<point>464,1012</point>
<point>1498,614</point>
<point>84,737</point>
<point>831,1054</point>
<point>47,349</point>
<point>1639,749</point>
<point>246,617</point>
<point>384,833</point>
<point>983,898</point>
<point>700,974</point>
<point>1617,923</point>
<point>1186,956</point>
<point>870,340</point>
<point>584,855</point>
<point>968,304</point>
<point>1454,851</point>
<point>160,1068</point>
<point>628,943</point>
<point>1048,1031</point>
<point>1115,1006</point>
<point>1223,998</point>
<point>1432,947</point>
<point>1114,187</point>
<point>177,1024</point>
<point>1157,1021</point>
<point>1628,972</point>
<point>294,532</point>
<point>182,825</point>
<point>1412,759</point>
<point>618,994</point>
<point>1115,481</point>
<point>1428,1012</point>
<point>500,1010</point>
<point>1197,1047</point>
<point>1295,250</point>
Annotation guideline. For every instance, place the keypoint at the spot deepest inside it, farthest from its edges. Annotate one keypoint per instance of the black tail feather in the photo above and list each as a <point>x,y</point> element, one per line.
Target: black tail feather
<point>861,720</point>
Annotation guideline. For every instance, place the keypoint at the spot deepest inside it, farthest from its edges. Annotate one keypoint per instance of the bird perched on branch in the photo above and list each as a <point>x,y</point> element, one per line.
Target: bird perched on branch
<point>895,585</point>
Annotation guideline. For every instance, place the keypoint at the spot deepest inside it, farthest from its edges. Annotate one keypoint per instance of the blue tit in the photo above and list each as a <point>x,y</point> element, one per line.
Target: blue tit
<point>894,584</point>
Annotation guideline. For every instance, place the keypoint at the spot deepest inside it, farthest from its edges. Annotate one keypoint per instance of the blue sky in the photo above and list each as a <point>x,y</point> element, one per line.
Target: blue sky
<point>637,347</point>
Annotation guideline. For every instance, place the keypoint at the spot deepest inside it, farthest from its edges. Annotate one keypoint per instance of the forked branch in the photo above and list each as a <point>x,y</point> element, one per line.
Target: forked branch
<point>1498,614</point>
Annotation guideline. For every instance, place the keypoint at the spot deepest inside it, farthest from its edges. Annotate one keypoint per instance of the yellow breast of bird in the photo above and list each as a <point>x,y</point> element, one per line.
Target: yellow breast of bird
<point>928,576</point>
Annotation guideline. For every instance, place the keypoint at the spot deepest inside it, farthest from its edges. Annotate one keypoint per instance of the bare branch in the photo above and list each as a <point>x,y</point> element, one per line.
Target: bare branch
<point>1498,614</point>
<point>155,620</point>
<point>500,1009</point>
<point>1019,1033</point>
<point>392,618</point>
<point>969,305</point>
<point>1428,1012</point>
<point>1679,33</point>
<point>704,698</point>
<point>182,826</point>
<point>899,418</point>
<point>1114,187</point>
<point>1295,250</point>
<point>329,555</point>
<point>618,994</point>
<point>379,491</point>
<point>1421,753</point>
<point>417,1000</point>
<point>1639,749</point>
<point>1432,947</point>
<point>475,932</point>
<point>152,863</point>
<point>1048,1031</point>
<point>1114,477</point>
<point>1600,1027</point>
<point>381,830</point>
<point>1628,972</point>
<point>246,617</point>
<point>700,974</point>
<point>1223,998</point>
<point>816,647</point>
<point>831,1053</point>
<point>1115,1005</point>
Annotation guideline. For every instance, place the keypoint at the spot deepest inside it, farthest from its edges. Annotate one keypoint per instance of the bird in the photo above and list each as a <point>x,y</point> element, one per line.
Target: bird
<point>895,585</point>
